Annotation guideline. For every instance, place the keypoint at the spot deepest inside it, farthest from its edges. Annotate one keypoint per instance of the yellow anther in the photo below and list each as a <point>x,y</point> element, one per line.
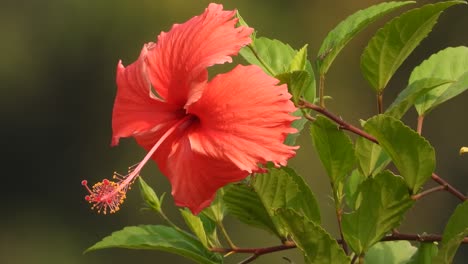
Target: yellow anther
<point>463,150</point>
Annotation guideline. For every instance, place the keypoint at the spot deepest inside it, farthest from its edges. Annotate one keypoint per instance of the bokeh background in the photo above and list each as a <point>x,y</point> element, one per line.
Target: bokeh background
<point>57,85</point>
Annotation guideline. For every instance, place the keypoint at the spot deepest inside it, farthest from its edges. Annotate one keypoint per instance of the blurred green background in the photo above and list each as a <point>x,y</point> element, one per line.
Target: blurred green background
<point>57,77</point>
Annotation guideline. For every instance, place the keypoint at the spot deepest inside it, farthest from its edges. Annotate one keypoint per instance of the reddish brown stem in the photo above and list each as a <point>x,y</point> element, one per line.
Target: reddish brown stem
<point>429,191</point>
<point>449,187</point>
<point>420,124</point>
<point>338,120</point>
<point>380,102</point>
<point>343,125</point>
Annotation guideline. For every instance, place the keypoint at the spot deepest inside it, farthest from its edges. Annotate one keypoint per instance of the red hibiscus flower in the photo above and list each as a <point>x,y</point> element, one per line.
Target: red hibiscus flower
<point>202,134</point>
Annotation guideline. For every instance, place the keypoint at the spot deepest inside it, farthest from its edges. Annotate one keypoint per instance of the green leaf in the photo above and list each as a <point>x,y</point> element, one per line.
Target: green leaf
<point>450,64</point>
<point>156,237</point>
<point>196,225</point>
<point>217,209</point>
<point>410,94</point>
<point>298,62</point>
<point>392,44</point>
<point>316,244</point>
<point>149,195</point>
<point>279,188</point>
<point>372,159</point>
<point>411,153</point>
<point>297,124</point>
<point>426,251</point>
<point>455,231</point>
<point>381,205</point>
<point>242,22</point>
<point>275,56</point>
<point>351,188</point>
<point>390,252</point>
<point>284,188</point>
<point>348,28</point>
<point>334,148</point>
<point>301,84</point>
<point>243,202</point>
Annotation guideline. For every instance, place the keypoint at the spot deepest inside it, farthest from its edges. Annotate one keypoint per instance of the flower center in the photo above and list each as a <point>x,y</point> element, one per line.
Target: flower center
<point>109,195</point>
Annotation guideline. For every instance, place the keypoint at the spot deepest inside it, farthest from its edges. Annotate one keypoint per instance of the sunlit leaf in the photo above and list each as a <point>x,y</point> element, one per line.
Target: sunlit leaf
<point>196,225</point>
<point>450,64</point>
<point>390,252</point>
<point>273,56</point>
<point>382,203</point>
<point>411,153</point>
<point>334,148</point>
<point>372,159</point>
<point>316,244</point>
<point>410,94</point>
<point>392,44</point>
<point>155,237</point>
<point>455,231</point>
<point>348,28</point>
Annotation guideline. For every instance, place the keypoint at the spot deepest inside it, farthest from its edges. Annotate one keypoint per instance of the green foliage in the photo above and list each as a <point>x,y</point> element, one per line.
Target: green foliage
<point>410,94</point>
<point>390,252</point>
<point>279,188</point>
<point>155,237</point>
<point>426,251</point>
<point>316,244</point>
<point>334,148</point>
<point>203,227</point>
<point>243,203</point>
<point>351,188</point>
<point>381,204</point>
<point>149,195</point>
<point>348,28</point>
<point>450,65</point>
<point>372,159</point>
<point>411,153</point>
<point>455,230</point>
<point>392,44</point>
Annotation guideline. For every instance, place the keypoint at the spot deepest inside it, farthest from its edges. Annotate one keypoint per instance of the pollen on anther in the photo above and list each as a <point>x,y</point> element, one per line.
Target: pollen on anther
<point>106,195</point>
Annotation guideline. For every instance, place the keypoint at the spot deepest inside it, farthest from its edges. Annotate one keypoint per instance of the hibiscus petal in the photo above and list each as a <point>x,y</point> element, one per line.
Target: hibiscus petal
<point>244,118</point>
<point>178,61</point>
<point>194,177</point>
<point>135,110</point>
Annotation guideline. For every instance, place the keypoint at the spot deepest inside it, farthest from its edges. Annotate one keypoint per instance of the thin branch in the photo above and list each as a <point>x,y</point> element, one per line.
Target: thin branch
<point>416,237</point>
<point>449,187</point>
<point>343,125</point>
<point>420,124</point>
<point>428,191</point>
<point>226,235</point>
<point>338,120</point>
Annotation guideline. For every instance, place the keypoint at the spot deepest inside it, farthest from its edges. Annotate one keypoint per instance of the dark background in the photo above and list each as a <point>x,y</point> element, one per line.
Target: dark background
<point>57,77</point>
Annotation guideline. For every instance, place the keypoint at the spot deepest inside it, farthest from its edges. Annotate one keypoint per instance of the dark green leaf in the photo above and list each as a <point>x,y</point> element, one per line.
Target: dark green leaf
<point>244,203</point>
<point>348,28</point>
<point>390,252</point>
<point>450,64</point>
<point>410,94</point>
<point>163,238</point>
<point>455,231</point>
<point>273,56</point>
<point>297,124</point>
<point>381,205</point>
<point>351,188</point>
<point>411,153</point>
<point>372,159</point>
<point>316,244</point>
<point>393,43</point>
<point>301,84</point>
<point>426,251</point>
<point>149,195</point>
<point>334,148</point>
